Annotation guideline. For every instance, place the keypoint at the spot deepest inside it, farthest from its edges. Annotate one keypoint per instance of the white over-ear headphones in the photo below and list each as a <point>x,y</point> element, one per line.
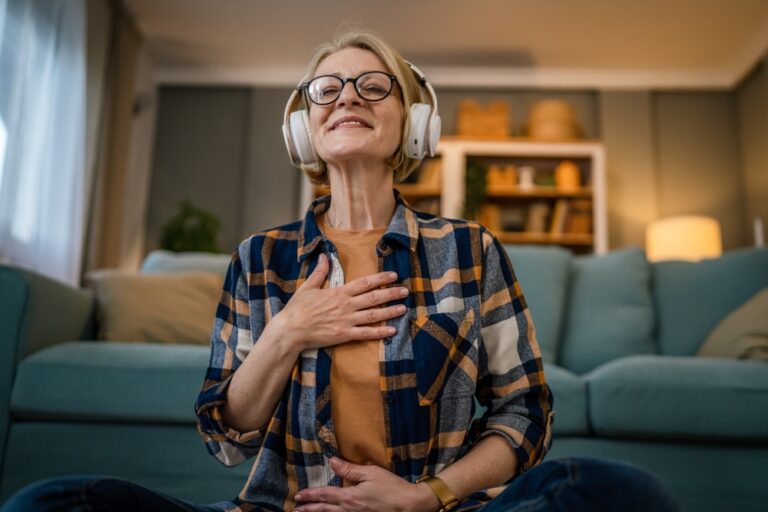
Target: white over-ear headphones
<point>422,140</point>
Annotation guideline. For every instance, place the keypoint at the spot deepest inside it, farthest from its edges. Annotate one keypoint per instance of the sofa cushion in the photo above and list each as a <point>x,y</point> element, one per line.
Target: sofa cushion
<point>570,401</point>
<point>168,261</point>
<point>691,298</point>
<point>543,273</point>
<point>162,308</point>
<point>669,397</point>
<point>609,313</point>
<point>110,381</point>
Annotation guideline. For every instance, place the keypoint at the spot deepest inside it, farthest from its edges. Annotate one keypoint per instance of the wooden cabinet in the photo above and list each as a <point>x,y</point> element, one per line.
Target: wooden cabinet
<point>542,213</point>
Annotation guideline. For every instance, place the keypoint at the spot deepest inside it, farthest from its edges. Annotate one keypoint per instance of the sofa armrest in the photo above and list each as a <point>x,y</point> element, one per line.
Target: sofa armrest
<point>36,312</point>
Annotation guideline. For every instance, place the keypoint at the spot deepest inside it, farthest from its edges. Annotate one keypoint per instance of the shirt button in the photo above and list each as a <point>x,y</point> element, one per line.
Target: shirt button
<point>395,458</point>
<point>390,398</point>
<point>387,341</point>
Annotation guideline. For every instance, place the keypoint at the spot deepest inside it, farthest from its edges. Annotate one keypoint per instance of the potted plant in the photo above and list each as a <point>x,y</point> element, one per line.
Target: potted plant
<point>192,229</point>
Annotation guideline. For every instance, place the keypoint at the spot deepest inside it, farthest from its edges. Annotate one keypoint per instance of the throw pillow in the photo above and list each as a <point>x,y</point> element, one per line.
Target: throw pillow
<point>610,312</point>
<point>743,334</point>
<point>161,308</point>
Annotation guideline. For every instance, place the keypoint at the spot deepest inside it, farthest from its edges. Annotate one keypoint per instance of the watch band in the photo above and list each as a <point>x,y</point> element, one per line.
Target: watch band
<point>447,499</point>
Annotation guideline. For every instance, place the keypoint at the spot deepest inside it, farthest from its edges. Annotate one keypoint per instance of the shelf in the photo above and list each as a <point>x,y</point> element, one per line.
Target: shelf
<point>526,140</point>
<point>417,191</point>
<point>508,237</point>
<point>538,192</point>
<point>516,208</point>
<point>412,190</point>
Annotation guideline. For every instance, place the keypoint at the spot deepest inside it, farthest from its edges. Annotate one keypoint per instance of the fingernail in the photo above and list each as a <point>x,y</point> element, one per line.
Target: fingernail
<point>393,275</point>
<point>297,497</point>
<point>391,330</point>
<point>403,292</point>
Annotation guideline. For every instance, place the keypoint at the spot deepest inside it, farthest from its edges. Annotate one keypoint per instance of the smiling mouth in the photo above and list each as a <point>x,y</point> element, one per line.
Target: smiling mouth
<point>350,123</point>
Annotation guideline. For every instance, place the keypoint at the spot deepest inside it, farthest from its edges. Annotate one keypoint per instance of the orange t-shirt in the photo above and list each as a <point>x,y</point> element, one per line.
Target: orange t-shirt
<point>357,408</point>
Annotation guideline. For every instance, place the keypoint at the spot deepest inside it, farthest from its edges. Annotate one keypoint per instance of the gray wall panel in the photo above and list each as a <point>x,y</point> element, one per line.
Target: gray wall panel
<point>752,98</point>
<point>200,155</point>
<point>698,161</point>
<point>627,127</point>
<point>271,185</point>
<point>520,101</point>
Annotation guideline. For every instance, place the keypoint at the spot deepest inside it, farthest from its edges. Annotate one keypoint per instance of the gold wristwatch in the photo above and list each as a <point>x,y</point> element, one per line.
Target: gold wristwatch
<point>447,500</point>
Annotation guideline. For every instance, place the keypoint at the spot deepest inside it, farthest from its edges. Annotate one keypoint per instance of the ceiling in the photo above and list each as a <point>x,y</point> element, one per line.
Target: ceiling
<point>487,43</point>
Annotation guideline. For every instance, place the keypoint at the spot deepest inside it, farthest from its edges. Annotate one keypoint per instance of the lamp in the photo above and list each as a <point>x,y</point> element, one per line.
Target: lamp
<point>688,238</point>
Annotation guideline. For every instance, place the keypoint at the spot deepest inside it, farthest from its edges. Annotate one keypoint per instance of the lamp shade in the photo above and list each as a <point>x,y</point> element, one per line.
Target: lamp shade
<point>688,238</point>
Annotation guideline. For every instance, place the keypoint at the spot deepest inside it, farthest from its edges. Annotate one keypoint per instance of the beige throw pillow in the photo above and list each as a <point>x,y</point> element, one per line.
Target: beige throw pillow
<point>161,308</point>
<point>743,334</point>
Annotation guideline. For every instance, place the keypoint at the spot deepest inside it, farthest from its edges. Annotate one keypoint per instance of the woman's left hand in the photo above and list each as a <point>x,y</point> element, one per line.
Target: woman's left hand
<point>373,489</point>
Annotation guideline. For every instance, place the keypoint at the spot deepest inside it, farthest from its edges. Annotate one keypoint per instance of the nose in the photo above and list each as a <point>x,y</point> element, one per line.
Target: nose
<point>348,94</point>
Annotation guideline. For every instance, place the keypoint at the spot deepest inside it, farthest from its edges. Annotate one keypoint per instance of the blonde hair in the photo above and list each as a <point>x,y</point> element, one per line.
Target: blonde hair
<point>411,92</point>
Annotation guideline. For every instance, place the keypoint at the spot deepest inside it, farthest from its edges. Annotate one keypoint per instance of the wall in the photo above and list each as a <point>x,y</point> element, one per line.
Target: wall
<point>698,162</point>
<point>752,104</point>
<point>222,149</point>
<point>520,101</point>
<point>271,186</point>
<point>200,155</point>
<point>668,153</point>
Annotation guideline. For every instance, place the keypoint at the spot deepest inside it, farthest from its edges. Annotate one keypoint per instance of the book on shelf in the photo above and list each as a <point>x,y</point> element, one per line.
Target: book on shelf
<point>538,213</point>
<point>559,217</point>
<point>579,217</point>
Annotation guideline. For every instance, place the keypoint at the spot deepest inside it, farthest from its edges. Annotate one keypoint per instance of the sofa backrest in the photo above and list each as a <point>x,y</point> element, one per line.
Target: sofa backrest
<point>691,298</point>
<point>544,273</point>
<point>609,312</point>
<point>167,261</point>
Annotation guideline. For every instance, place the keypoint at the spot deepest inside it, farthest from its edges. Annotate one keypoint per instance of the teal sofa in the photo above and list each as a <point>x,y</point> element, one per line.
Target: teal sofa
<point>618,335</point>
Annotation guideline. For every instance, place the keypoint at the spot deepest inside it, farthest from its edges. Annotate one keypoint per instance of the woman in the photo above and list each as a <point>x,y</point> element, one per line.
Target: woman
<point>349,347</point>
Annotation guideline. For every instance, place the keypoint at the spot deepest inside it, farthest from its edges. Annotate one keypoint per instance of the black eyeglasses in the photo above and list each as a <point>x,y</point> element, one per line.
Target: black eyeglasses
<point>371,86</point>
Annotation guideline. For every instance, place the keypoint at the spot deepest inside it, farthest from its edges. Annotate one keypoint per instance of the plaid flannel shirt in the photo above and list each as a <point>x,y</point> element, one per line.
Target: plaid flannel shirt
<point>467,333</point>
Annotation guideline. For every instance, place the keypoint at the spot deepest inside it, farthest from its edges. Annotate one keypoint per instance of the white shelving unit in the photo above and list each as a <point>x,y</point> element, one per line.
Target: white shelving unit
<point>455,152</point>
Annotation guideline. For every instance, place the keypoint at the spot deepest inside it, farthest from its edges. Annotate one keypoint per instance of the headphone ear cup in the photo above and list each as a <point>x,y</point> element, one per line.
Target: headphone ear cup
<point>418,137</point>
<point>435,126</point>
<point>301,137</point>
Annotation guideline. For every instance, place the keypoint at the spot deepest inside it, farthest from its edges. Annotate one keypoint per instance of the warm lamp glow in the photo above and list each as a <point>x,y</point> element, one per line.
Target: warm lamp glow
<point>688,238</point>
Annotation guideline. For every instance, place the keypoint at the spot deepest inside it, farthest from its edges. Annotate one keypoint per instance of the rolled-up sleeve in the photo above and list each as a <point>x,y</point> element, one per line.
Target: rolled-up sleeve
<point>511,382</point>
<point>231,341</point>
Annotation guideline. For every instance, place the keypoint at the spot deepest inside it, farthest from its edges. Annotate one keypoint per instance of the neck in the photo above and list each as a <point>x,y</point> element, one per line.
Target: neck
<point>362,196</point>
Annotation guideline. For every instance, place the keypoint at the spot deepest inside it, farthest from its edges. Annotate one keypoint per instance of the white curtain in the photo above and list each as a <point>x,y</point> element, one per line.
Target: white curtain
<point>42,135</point>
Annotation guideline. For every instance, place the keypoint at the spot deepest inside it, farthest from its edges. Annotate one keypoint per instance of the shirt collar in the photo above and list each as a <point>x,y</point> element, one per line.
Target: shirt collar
<point>403,227</point>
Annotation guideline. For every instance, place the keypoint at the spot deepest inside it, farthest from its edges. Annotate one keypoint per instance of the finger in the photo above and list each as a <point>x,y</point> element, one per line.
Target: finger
<point>349,471</point>
<point>317,277</point>
<point>319,507</point>
<point>371,282</point>
<point>375,315</point>
<point>324,495</point>
<point>371,333</point>
<point>378,297</point>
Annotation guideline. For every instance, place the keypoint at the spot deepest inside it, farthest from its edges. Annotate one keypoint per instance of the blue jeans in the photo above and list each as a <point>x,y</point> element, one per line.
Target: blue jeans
<point>560,485</point>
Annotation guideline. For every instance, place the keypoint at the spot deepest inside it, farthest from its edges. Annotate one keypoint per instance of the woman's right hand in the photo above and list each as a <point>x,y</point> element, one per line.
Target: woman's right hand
<point>315,317</point>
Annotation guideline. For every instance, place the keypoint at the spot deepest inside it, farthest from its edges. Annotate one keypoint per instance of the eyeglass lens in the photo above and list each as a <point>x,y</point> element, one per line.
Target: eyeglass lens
<point>371,86</point>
